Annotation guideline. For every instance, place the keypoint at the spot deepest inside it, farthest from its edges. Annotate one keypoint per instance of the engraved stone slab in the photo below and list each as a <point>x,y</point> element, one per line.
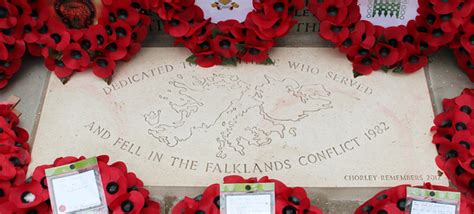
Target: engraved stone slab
<point>304,120</point>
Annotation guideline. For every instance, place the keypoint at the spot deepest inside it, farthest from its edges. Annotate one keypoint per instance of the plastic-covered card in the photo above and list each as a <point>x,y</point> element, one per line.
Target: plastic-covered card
<point>248,198</point>
<point>76,188</point>
<point>425,201</point>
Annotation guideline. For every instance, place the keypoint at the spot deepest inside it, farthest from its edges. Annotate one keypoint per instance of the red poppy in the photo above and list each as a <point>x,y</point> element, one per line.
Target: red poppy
<point>208,59</point>
<point>114,182</point>
<point>42,208</point>
<point>445,7</point>
<point>8,15</point>
<point>120,10</point>
<point>224,46</point>
<point>103,67</point>
<point>7,169</point>
<point>74,57</point>
<point>26,196</point>
<point>333,11</point>
<point>151,207</point>
<point>130,203</point>
<point>333,33</point>
<point>365,65</point>
<point>58,67</point>
<point>413,63</point>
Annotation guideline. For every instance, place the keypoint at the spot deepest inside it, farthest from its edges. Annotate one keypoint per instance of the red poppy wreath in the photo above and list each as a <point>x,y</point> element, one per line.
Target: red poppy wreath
<point>288,199</point>
<point>224,32</point>
<point>74,35</point>
<point>463,46</point>
<point>393,201</point>
<point>124,192</point>
<point>454,140</point>
<point>389,35</point>
<point>13,15</point>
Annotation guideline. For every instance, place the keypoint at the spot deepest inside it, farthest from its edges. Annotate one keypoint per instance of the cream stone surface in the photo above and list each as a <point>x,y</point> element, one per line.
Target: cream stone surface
<point>304,120</point>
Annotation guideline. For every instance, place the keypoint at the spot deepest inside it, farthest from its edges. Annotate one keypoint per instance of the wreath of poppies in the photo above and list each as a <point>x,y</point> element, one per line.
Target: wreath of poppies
<point>464,46</point>
<point>403,48</point>
<point>124,192</point>
<point>454,140</point>
<point>287,199</point>
<point>228,42</point>
<point>13,14</point>
<point>72,43</point>
<point>393,201</point>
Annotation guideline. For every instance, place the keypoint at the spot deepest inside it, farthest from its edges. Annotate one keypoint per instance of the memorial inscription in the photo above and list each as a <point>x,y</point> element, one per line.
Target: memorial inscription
<point>304,120</point>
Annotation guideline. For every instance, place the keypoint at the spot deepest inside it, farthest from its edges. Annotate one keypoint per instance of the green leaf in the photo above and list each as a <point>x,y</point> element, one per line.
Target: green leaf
<point>53,53</point>
<point>240,47</point>
<point>356,74</point>
<point>216,32</point>
<point>430,59</point>
<point>268,61</point>
<point>191,59</point>
<point>385,68</point>
<point>382,38</point>
<point>229,61</point>
<point>398,70</point>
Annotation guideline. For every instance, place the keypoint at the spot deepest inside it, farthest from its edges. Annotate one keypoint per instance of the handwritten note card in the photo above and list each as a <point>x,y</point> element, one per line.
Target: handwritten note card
<point>249,204</point>
<point>424,207</point>
<point>76,192</point>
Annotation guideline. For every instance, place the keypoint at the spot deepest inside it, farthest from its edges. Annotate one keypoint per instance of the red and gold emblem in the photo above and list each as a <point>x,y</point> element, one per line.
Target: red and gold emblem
<point>76,13</point>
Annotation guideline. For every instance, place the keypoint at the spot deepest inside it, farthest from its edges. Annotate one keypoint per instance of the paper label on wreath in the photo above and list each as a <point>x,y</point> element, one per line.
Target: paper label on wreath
<point>222,10</point>
<point>248,198</point>
<point>76,188</point>
<point>76,13</point>
<point>426,201</point>
<point>305,120</point>
<point>388,13</point>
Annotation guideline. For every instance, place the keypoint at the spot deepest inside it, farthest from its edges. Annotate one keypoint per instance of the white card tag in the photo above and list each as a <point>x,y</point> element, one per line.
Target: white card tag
<point>222,10</point>
<point>423,207</point>
<point>248,198</point>
<point>425,201</point>
<point>252,204</point>
<point>388,13</point>
<point>76,188</point>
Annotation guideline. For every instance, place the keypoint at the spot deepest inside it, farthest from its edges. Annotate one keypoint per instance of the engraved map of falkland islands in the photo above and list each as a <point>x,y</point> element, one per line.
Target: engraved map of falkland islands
<point>277,104</point>
<point>305,120</point>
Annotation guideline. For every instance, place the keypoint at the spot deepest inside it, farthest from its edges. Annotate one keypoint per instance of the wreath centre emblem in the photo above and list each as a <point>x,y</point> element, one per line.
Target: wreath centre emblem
<point>225,4</point>
<point>75,13</point>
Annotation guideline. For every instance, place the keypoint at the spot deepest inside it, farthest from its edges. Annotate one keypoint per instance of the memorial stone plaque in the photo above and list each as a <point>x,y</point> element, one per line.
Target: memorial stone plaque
<point>304,120</point>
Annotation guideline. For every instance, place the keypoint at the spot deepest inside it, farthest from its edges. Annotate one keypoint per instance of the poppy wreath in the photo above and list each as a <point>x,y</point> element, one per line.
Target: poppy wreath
<point>393,201</point>
<point>124,192</point>
<point>13,15</point>
<point>454,140</point>
<point>287,199</point>
<point>401,49</point>
<point>14,151</point>
<point>228,42</point>
<point>464,46</point>
<point>73,44</point>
